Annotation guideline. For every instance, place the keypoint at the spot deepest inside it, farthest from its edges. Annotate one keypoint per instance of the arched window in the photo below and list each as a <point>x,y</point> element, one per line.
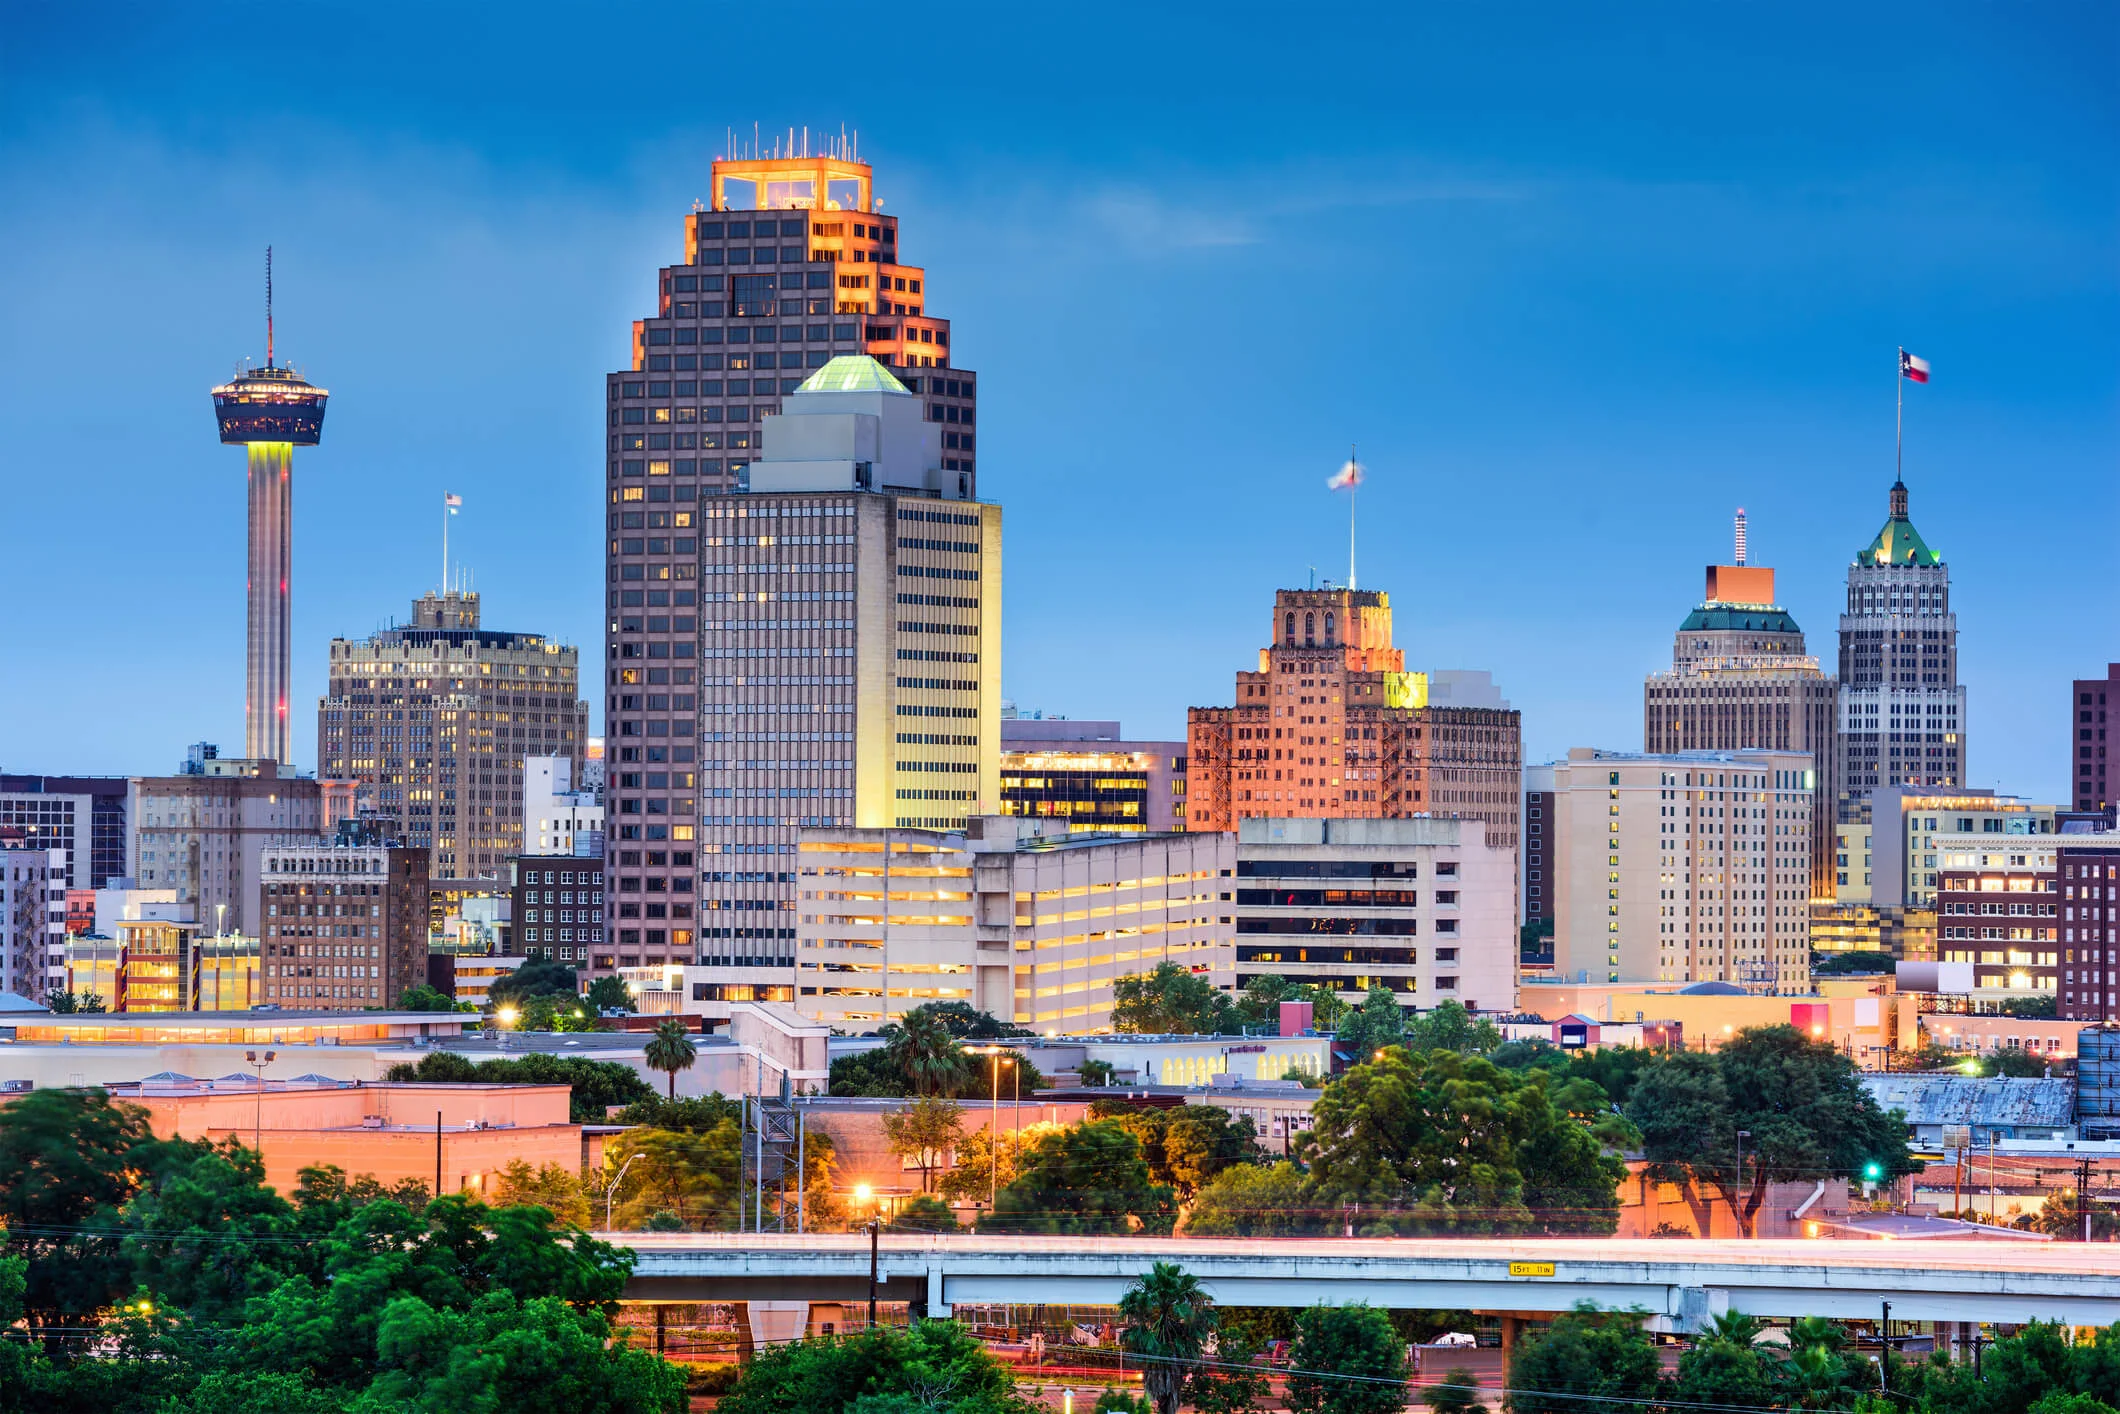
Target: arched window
<point>1310,630</point>
<point>1288,630</point>
<point>1328,628</point>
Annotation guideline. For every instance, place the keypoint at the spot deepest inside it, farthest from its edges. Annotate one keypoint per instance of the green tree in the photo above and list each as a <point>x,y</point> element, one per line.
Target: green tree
<point>692,1173</point>
<point>966,1023</point>
<point>421,997</point>
<point>595,1087</point>
<point>1018,1076</point>
<point>698,1115</point>
<point>1083,1179</point>
<point>1346,1360</point>
<point>670,1050</point>
<point>926,1054</point>
<point>1261,1003</point>
<point>1457,1392</point>
<point>1449,1027</point>
<point>922,1213</point>
<point>1604,1355</point>
<point>923,1133</point>
<point>1169,1320</point>
<point>1189,1145</point>
<point>930,1365</point>
<point>1377,1023</point>
<point>537,977</point>
<point>1327,1008</point>
<point>1850,964</point>
<point>1170,1000</point>
<point>65,1003</point>
<point>1725,1367</point>
<point>608,993</point>
<point>556,1189</point>
<point>2063,1216</point>
<point>1800,1101</point>
<point>1097,1073</point>
<point>1251,1201</point>
<point>208,1235</point>
<point>872,1074</point>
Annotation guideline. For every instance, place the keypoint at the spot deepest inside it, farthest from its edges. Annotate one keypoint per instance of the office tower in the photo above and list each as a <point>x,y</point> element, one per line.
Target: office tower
<point>1087,776</point>
<point>794,265</point>
<point>1998,907</point>
<point>1741,679</point>
<point>2094,776</point>
<point>344,924</point>
<point>204,832</point>
<point>1902,712</point>
<point>849,674</point>
<point>82,815</point>
<point>1905,833</point>
<point>1425,908</point>
<point>558,817</point>
<point>269,411</point>
<point>1332,726</point>
<point>2089,865</point>
<point>438,717</point>
<point>1027,924</point>
<point>556,907</point>
<point>1693,866</point>
<point>32,914</point>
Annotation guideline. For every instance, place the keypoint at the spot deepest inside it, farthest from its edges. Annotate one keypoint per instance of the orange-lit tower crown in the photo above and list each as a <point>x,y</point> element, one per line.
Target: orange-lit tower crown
<point>270,410</point>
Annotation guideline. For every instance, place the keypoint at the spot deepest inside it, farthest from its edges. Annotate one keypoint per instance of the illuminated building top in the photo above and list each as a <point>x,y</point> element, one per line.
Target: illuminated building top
<point>1898,543</point>
<point>270,404</point>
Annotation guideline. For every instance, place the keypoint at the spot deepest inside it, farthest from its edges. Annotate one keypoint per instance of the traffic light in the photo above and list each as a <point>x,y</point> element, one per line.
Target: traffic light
<point>1873,1171</point>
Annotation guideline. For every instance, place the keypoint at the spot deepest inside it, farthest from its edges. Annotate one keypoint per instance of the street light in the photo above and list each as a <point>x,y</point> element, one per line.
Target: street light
<point>612,1192</point>
<point>257,1133</point>
<point>1742,1136</point>
<point>1000,1058</point>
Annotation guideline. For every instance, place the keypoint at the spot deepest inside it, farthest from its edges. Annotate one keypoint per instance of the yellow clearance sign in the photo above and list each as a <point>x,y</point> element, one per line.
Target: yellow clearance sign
<point>1531,1269</point>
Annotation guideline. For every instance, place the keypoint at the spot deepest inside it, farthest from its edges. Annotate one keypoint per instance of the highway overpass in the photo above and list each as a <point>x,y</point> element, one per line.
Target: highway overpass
<point>1683,1282</point>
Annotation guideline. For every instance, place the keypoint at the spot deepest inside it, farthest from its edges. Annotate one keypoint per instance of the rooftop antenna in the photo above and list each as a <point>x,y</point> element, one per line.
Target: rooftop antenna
<point>1740,535</point>
<point>268,306</point>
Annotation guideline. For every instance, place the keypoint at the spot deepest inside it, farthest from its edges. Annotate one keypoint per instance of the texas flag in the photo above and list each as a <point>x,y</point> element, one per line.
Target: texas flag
<point>1912,367</point>
<point>1347,477</point>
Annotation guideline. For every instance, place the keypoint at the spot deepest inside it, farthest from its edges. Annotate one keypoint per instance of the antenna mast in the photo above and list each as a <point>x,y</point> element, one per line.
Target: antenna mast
<point>268,306</point>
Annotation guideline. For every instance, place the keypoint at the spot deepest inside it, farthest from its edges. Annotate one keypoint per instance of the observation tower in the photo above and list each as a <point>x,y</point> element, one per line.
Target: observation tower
<point>271,411</point>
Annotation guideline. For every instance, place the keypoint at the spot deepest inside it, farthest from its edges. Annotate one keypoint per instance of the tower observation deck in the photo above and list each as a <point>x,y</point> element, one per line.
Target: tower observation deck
<point>271,411</point>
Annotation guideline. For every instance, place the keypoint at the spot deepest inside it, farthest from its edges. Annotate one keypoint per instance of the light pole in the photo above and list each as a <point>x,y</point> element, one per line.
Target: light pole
<point>257,1132</point>
<point>993,1123</point>
<point>611,1193</point>
<point>874,1225</point>
<point>1739,1182</point>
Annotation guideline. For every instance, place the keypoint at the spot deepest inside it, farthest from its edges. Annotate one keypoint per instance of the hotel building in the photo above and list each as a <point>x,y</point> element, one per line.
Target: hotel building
<point>1028,926</point>
<point>1425,908</point>
<point>1998,907</point>
<point>1681,868</point>
<point>2089,865</point>
<point>791,266</point>
<point>437,719</point>
<point>1741,679</point>
<point>1331,726</point>
<point>344,926</point>
<point>1087,776</point>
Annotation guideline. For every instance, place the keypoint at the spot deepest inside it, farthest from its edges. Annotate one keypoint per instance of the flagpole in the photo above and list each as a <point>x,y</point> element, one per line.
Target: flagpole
<point>1899,420</point>
<point>1354,489</point>
<point>445,544</point>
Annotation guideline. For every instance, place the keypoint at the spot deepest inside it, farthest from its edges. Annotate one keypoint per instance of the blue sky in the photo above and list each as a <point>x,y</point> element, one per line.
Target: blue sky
<point>1579,280</point>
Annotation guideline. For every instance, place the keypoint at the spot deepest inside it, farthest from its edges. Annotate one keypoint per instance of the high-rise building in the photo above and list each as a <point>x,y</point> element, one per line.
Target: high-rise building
<point>344,925</point>
<point>1902,710</point>
<point>1087,776</point>
<point>1741,679</point>
<point>204,832</point>
<point>1681,868</point>
<point>1025,922</point>
<point>1332,726</point>
<point>2092,769</point>
<point>1423,908</point>
<point>32,915</point>
<point>437,718</point>
<point>2089,865</point>
<point>269,411</point>
<point>849,653</point>
<point>82,815</point>
<point>794,265</point>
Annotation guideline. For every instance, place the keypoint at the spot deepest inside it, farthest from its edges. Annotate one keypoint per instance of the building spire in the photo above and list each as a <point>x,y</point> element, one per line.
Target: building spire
<point>1740,535</point>
<point>1899,499</point>
<point>268,306</point>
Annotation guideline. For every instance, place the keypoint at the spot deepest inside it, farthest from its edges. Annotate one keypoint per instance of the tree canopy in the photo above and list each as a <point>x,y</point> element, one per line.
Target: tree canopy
<point>595,1086</point>
<point>537,977</point>
<point>1171,1000</point>
<point>1084,1179</point>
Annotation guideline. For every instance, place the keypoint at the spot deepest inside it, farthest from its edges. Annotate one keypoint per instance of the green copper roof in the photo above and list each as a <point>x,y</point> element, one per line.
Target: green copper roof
<point>1748,618</point>
<point>1899,543</point>
<point>852,373</point>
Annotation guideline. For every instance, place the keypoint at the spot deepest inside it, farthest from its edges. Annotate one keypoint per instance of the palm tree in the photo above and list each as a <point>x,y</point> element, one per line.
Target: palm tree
<point>926,1054</point>
<point>670,1049</point>
<point>1169,1318</point>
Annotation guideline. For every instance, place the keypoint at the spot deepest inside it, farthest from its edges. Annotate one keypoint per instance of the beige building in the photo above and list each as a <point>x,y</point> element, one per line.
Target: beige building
<point>204,834</point>
<point>1425,908</point>
<point>437,718</point>
<point>344,926</point>
<point>1033,928</point>
<point>1741,679</point>
<point>1682,868</point>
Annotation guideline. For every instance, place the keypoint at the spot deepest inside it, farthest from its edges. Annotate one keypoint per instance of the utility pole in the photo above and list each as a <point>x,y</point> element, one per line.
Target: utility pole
<point>874,1225</point>
<point>2083,1194</point>
<point>437,1153</point>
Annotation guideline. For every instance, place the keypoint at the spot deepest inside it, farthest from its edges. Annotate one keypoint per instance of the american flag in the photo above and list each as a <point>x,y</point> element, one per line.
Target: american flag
<point>452,501</point>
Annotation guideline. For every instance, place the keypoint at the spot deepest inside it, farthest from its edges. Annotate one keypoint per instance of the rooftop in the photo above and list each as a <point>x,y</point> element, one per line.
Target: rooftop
<point>1898,543</point>
<point>1753,618</point>
<point>1949,1098</point>
<point>853,373</point>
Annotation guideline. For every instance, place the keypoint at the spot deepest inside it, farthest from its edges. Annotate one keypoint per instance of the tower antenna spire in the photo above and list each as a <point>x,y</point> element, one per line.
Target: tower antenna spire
<point>268,307</point>
<point>1740,535</point>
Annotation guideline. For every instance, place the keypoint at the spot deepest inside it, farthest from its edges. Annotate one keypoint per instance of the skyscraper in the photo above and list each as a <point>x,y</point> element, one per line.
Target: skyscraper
<point>1740,679</point>
<point>1902,711</point>
<point>2092,768</point>
<point>1332,726</point>
<point>793,265</point>
<point>439,716</point>
<point>269,411</point>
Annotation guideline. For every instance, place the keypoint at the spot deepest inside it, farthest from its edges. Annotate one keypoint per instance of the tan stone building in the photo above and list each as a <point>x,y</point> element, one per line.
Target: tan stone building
<point>1682,868</point>
<point>343,926</point>
<point>203,833</point>
<point>437,717</point>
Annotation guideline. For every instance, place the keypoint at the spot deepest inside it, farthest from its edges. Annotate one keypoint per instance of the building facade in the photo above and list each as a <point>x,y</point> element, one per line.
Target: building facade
<point>1423,908</point>
<point>1902,710</point>
<point>1741,679</point>
<point>205,834</point>
<point>559,816</point>
<point>1026,926</point>
<point>437,718</point>
<point>1683,868</point>
<point>32,915</point>
<point>1332,726</point>
<point>792,267</point>
<point>82,815</point>
<point>344,926</point>
<point>2094,773</point>
<point>2089,866</point>
<point>557,906</point>
<point>1088,776</point>
<point>1906,832</point>
<point>1998,907</point>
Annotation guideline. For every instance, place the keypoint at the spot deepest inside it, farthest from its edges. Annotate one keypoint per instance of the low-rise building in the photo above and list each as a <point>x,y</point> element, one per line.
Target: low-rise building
<point>1992,1108</point>
<point>557,906</point>
<point>343,925</point>
<point>32,914</point>
<point>1086,776</point>
<point>2089,866</point>
<point>1422,907</point>
<point>1998,907</point>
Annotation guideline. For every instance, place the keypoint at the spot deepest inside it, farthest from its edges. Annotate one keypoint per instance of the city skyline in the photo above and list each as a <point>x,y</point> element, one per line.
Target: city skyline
<point>1756,372</point>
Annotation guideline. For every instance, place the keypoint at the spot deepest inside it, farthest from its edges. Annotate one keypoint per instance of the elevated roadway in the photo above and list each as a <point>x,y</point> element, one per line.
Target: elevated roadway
<point>1682,1282</point>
